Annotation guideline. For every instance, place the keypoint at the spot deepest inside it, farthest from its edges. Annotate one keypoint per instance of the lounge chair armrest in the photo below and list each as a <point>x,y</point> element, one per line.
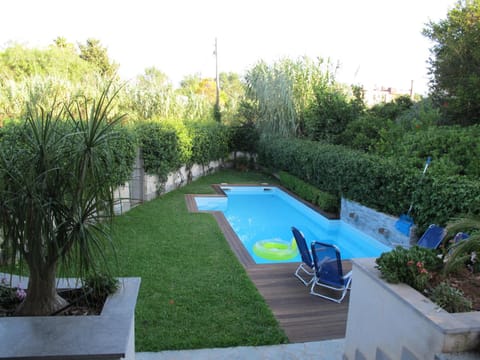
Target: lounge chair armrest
<point>347,275</point>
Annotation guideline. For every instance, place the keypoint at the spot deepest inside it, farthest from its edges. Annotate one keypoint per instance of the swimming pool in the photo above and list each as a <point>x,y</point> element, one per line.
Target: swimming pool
<point>264,213</point>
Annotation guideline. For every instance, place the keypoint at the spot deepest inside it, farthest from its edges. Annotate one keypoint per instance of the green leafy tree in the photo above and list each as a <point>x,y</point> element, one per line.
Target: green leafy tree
<point>19,63</point>
<point>55,194</point>
<point>454,62</point>
<point>392,110</point>
<point>93,52</point>
<point>232,91</point>
<point>330,113</point>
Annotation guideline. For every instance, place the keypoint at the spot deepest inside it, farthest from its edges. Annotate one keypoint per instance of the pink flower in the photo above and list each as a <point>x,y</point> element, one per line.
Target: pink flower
<point>409,262</point>
<point>20,294</point>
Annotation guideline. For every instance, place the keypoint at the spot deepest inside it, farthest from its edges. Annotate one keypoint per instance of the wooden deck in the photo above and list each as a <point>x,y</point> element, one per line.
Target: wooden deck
<point>302,316</point>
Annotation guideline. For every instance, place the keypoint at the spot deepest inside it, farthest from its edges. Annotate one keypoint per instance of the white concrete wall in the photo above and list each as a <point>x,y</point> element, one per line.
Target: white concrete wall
<point>148,187</point>
<point>399,322</point>
<point>122,198</point>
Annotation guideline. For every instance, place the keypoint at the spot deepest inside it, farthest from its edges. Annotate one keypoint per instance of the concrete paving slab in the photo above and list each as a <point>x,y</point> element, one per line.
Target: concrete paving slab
<point>317,350</point>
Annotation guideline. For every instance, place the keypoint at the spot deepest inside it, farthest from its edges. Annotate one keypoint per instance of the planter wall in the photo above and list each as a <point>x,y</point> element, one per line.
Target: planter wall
<point>394,321</point>
<point>110,335</point>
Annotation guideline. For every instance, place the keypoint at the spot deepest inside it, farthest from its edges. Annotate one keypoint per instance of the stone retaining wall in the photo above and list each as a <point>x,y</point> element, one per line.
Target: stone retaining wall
<point>378,225</point>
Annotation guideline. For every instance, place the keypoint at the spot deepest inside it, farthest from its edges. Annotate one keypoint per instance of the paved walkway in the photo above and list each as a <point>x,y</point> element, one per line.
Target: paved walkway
<point>318,350</point>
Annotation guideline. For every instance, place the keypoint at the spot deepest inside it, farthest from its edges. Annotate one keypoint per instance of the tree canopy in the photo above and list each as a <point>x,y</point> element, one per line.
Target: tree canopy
<point>454,64</point>
<point>93,52</point>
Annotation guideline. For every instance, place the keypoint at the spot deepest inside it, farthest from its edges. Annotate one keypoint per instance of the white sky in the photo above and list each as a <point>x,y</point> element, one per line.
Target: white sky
<point>377,42</point>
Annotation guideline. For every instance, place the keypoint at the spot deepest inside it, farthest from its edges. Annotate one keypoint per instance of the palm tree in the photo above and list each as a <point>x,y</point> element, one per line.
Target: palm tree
<point>56,193</point>
<point>466,250</point>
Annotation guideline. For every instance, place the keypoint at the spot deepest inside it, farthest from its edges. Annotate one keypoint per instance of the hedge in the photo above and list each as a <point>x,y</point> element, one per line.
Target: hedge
<point>167,146</point>
<point>160,148</point>
<point>121,147</point>
<point>384,184</point>
<point>323,200</point>
<point>210,141</point>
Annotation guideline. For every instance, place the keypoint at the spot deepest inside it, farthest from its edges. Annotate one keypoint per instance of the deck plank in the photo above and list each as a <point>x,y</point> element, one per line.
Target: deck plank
<point>302,316</point>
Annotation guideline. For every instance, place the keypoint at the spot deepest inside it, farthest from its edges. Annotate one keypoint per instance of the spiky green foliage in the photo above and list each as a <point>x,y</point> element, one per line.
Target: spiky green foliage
<point>464,252</point>
<point>56,178</point>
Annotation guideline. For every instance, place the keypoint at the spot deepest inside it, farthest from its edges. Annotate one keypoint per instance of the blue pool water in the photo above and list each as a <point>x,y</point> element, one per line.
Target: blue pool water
<point>265,213</point>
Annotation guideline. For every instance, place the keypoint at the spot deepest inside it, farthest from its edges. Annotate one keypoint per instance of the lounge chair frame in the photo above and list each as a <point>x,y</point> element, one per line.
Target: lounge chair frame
<point>304,271</point>
<point>432,237</point>
<point>342,284</point>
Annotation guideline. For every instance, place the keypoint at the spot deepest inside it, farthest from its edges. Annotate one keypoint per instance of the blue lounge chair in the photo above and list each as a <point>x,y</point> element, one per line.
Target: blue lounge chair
<point>460,236</point>
<point>327,264</point>
<point>306,267</point>
<point>433,237</point>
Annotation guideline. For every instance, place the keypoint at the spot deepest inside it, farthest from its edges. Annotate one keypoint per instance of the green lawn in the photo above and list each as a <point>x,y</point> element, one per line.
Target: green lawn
<point>194,292</point>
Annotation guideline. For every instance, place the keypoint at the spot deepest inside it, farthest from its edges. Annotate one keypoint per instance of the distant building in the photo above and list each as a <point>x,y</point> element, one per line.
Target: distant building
<point>378,95</point>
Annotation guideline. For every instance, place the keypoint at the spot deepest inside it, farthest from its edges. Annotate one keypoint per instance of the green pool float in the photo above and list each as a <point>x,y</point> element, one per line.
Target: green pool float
<point>275,249</point>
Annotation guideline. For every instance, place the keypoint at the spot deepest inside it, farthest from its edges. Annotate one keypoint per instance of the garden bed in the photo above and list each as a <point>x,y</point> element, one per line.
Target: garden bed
<point>109,335</point>
<point>467,282</point>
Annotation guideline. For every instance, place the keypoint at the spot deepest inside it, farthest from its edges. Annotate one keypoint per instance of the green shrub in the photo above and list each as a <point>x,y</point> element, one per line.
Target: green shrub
<point>210,141</point>
<point>365,132</point>
<point>439,198</point>
<point>330,113</point>
<point>244,137</point>
<point>160,148</point>
<point>327,202</point>
<point>166,146</point>
<point>454,150</point>
<point>99,286</point>
<point>410,266</point>
<point>323,200</point>
<point>373,181</point>
<point>384,184</point>
<point>124,150</point>
<point>450,299</point>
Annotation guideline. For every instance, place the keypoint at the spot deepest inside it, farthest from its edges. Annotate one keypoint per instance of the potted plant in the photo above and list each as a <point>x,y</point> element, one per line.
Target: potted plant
<point>57,172</point>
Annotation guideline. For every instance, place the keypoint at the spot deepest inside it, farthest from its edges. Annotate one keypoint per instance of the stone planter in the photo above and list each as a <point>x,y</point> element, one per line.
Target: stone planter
<point>394,321</point>
<point>110,335</point>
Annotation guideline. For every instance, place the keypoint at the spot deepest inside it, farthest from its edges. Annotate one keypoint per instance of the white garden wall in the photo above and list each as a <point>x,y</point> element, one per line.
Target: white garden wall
<point>143,187</point>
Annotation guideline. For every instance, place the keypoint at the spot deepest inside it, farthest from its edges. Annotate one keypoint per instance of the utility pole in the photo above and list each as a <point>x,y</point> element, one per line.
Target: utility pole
<point>217,113</point>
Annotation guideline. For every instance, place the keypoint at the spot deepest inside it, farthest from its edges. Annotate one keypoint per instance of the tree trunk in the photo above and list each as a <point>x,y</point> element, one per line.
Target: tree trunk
<point>42,298</point>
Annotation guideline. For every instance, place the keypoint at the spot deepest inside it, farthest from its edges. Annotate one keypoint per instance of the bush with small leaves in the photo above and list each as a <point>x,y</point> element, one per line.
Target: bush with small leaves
<point>412,266</point>
<point>99,286</point>
<point>450,299</point>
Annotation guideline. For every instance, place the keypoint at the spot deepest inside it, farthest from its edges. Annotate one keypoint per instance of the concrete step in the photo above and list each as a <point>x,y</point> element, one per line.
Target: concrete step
<point>317,350</point>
